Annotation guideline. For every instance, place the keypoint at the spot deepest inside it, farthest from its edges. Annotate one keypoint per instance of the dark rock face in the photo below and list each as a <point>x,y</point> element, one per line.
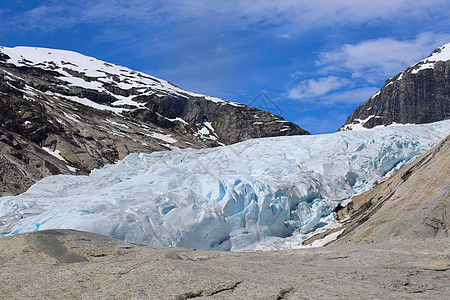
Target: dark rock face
<point>56,119</point>
<point>420,94</point>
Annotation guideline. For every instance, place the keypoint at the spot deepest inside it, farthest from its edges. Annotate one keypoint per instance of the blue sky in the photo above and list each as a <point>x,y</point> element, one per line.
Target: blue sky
<point>316,60</point>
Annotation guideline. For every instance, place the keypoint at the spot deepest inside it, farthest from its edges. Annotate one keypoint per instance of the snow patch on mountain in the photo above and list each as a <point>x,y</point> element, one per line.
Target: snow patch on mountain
<point>92,72</point>
<point>269,193</point>
<point>440,54</point>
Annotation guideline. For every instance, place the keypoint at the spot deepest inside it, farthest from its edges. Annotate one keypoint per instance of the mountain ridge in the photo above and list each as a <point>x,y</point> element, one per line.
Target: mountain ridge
<point>87,113</point>
<point>419,94</point>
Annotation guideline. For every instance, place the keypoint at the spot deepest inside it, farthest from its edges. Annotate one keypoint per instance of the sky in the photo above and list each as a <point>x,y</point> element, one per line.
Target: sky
<point>312,62</point>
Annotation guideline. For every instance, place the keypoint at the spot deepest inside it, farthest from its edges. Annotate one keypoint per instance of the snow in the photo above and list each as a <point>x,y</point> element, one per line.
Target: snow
<point>178,119</point>
<point>72,169</point>
<point>376,94</point>
<point>72,117</point>
<point>75,81</point>
<point>87,102</point>
<point>206,132</point>
<point>327,239</point>
<point>203,131</point>
<point>164,137</point>
<point>55,153</point>
<point>269,193</point>
<point>97,72</point>
<point>127,101</point>
<point>442,54</point>
<point>358,124</point>
<point>118,124</point>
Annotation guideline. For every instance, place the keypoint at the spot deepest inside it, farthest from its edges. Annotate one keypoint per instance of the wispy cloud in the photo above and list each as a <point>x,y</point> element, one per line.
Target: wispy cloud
<point>291,15</point>
<point>368,64</point>
<point>224,46</point>
<point>284,36</point>
<point>379,59</point>
<point>311,88</point>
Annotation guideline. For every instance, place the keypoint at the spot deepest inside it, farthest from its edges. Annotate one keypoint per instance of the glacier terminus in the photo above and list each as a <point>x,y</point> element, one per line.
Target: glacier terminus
<point>261,194</point>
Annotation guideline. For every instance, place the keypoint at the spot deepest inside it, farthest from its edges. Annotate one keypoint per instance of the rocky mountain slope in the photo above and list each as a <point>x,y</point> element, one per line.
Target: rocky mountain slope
<point>65,113</point>
<point>412,204</point>
<point>420,94</point>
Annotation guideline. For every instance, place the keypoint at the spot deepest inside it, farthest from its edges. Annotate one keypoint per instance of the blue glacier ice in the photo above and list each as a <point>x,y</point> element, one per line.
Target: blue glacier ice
<point>269,193</point>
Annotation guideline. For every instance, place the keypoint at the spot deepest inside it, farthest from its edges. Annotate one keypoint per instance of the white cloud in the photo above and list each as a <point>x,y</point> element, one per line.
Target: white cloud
<point>313,88</point>
<point>379,59</point>
<point>284,36</point>
<point>368,63</point>
<point>291,15</point>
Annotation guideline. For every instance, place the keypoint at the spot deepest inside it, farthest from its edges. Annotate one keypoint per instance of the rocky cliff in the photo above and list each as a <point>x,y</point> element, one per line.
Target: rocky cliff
<point>420,94</point>
<point>64,113</point>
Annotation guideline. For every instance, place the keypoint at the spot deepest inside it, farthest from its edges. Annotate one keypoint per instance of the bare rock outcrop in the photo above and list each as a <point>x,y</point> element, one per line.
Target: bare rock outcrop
<point>412,204</point>
<point>61,264</point>
<point>420,94</point>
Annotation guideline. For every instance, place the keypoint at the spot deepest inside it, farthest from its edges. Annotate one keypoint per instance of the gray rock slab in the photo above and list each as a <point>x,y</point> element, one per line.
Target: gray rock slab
<point>70,264</point>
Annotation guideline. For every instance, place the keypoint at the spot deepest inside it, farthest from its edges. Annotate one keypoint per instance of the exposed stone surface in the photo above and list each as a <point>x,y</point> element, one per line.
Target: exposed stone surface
<point>60,264</point>
<point>420,94</point>
<point>55,119</point>
<point>413,203</point>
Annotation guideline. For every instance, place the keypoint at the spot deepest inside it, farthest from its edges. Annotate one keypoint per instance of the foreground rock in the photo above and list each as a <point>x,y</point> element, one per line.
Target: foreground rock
<point>60,264</point>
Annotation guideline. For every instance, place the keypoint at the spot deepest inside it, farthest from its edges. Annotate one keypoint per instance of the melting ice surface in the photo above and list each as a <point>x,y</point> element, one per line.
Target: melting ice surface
<point>269,193</point>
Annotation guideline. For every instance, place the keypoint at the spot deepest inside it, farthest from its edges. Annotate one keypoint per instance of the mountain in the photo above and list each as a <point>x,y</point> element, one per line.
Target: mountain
<point>65,113</point>
<point>261,194</point>
<point>420,94</point>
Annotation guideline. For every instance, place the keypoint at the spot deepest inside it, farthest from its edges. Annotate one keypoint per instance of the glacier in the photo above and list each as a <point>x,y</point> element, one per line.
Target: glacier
<point>261,194</point>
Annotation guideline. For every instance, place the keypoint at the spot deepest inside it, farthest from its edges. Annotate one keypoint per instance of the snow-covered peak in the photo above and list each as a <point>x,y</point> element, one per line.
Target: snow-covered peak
<point>440,54</point>
<point>94,72</point>
<point>403,103</point>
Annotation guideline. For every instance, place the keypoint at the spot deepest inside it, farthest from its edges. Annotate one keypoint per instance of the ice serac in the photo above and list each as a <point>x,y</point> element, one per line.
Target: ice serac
<point>261,194</point>
<point>65,113</point>
<point>418,95</point>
